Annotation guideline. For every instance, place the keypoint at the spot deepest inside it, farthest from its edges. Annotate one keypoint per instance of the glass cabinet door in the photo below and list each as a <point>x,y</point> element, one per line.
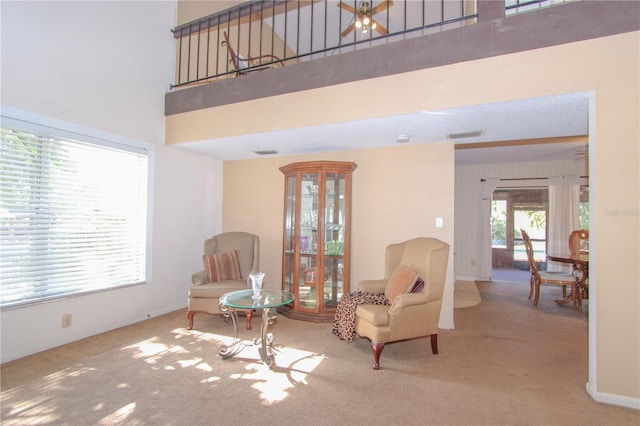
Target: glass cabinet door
<point>308,242</point>
<point>334,238</point>
<point>288,273</point>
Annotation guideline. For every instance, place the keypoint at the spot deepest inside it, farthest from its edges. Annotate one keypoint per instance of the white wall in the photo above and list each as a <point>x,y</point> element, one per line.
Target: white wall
<point>468,200</point>
<point>106,66</point>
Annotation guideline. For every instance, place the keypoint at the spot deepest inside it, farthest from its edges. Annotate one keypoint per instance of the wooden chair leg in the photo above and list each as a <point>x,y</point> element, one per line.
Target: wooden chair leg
<point>377,349</point>
<point>190,315</point>
<point>434,343</point>
<point>531,286</point>
<point>575,295</point>
<point>535,301</point>
<point>249,315</point>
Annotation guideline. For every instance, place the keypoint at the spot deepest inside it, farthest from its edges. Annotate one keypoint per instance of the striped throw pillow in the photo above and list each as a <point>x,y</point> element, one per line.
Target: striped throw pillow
<point>222,266</point>
<point>418,287</point>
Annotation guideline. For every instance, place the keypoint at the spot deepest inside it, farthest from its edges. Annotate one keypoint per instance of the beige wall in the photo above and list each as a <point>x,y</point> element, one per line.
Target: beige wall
<point>607,67</point>
<point>397,194</point>
<point>188,11</point>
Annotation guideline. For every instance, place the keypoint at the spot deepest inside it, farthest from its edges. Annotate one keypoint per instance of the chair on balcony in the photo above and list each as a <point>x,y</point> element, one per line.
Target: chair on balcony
<point>228,260</point>
<point>538,278</point>
<point>246,64</point>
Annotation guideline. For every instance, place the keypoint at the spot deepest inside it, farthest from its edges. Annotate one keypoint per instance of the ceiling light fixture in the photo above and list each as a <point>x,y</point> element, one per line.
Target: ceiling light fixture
<point>463,135</point>
<point>265,151</point>
<point>402,138</point>
<point>363,17</point>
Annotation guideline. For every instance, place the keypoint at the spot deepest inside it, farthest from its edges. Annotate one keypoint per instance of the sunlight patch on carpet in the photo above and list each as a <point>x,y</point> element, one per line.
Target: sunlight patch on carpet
<point>292,366</point>
<point>291,370</point>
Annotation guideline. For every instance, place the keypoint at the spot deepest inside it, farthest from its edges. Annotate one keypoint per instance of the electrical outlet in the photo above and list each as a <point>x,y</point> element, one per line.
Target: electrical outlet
<point>66,321</point>
<point>439,222</point>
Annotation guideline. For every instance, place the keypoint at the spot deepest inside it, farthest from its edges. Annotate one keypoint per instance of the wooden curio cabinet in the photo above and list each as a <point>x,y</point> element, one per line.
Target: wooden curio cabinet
<point>317,243</point>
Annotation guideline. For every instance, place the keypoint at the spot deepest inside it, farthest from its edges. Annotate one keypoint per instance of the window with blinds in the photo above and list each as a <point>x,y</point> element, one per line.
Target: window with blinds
<point>73,217</point>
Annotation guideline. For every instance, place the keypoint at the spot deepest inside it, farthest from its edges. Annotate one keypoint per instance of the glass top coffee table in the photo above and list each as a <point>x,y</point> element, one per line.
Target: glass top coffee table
<point>245,300</point>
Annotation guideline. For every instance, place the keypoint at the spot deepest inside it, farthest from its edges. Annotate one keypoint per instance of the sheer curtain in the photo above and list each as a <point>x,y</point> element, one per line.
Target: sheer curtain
<point>489,185</point>
<point>564,215</point>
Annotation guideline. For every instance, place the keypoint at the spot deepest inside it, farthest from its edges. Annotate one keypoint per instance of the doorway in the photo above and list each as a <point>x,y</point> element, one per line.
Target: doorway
<point>513,209</point>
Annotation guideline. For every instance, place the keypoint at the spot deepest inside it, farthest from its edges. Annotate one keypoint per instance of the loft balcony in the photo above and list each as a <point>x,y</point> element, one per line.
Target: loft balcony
<point>285,32</point>
<point>307,44</point>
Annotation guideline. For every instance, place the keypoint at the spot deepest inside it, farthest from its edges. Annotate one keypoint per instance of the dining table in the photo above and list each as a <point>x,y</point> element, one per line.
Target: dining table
<point>580,263</point>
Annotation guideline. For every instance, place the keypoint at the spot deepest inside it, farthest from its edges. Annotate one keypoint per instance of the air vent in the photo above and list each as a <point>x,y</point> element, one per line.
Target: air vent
<point>473,134</point>
<point>266,152</point>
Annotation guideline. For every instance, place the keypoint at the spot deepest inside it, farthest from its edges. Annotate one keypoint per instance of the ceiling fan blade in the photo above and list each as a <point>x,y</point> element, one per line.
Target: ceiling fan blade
<point>346,7</point>
<point>380,28</point>
<point>347,30</point>
<point>382,6</point>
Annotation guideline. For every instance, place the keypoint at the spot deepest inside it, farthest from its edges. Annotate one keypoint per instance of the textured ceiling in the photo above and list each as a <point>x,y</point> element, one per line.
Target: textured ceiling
<point>535,118</point>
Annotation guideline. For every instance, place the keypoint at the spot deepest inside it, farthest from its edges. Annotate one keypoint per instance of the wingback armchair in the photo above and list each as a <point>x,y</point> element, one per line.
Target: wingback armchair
<point>212,282</point>
<point>410,315</point>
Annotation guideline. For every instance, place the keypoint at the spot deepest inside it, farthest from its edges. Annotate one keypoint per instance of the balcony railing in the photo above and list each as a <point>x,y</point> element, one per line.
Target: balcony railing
<point>291,31</point>
<point>299,30</point>
<point>518,6</point>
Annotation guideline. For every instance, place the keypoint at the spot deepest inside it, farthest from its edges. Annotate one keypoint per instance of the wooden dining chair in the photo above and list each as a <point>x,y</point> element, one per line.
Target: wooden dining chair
<point>578,244</point>
<point>538,278</point>
<point>246,64</point>
<point>578,240</point>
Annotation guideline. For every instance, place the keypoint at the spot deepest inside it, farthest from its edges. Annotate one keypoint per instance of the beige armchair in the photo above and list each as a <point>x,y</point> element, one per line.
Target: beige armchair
<point>410,315</point>
<point>204,295</point>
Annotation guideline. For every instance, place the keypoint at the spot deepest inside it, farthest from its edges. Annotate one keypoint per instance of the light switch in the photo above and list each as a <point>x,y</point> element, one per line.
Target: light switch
<point>439,222</point>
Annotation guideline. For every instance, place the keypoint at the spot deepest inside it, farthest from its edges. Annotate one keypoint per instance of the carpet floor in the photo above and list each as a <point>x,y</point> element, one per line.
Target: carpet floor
<point>506,363</point>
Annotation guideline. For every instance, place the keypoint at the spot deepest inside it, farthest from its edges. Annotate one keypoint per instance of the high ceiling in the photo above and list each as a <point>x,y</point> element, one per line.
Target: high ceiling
<point>542,118</point>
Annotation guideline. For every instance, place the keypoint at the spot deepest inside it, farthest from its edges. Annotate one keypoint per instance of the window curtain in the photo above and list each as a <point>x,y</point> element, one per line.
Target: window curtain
<point>489,185</point>
<point>564,216</point>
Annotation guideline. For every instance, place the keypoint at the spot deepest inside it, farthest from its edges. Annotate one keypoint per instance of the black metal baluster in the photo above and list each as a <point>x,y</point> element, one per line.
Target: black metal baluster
<point>198,51</point>
<point>298,30</point>
<point>249,30</point>
<point>189,55</point>
<point>261,25</point>
<point>273,25</point>
<point>218,47</point>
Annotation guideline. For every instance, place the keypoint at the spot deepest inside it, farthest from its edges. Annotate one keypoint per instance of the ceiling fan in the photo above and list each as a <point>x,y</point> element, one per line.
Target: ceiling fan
<point>363,17</point>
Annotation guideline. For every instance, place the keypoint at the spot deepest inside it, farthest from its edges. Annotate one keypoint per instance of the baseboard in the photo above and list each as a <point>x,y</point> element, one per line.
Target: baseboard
<point>462,278</point>
<point>168,309</point>
<point>608,398</point>
<point>83,334</point>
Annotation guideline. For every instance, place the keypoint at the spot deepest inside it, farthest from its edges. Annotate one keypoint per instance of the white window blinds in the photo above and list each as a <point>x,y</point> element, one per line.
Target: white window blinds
<point>73,217</point>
